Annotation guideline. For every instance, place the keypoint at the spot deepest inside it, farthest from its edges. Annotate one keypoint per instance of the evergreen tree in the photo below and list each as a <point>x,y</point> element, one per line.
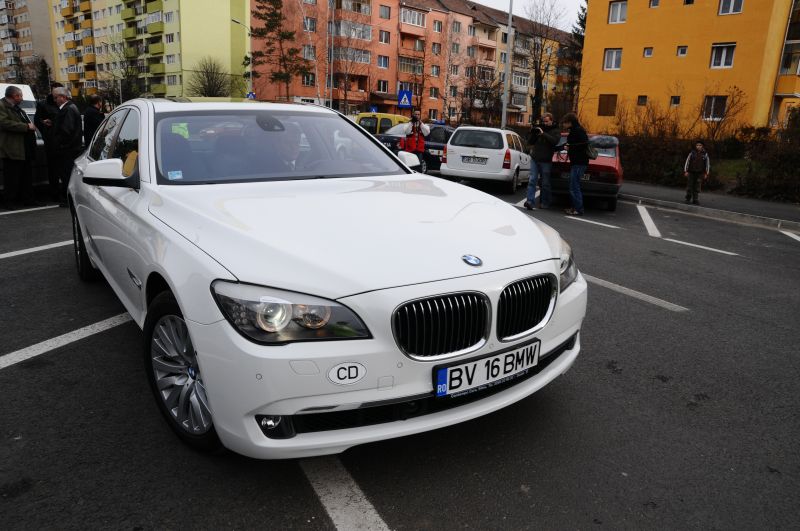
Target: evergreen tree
<point>579,32</point>
<point>42,78</point>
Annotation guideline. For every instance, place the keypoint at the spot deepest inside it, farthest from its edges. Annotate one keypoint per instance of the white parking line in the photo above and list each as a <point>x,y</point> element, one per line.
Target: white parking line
<point>635,294</point>
<point>577,218</point>
<point>35,249</point>
<point>648,222</point>
<point>521,203</point>
<point>70,337</point>
<point>701,247</point>
<point>27,210</point>
<point>791,235</point>
<point>341,496</point>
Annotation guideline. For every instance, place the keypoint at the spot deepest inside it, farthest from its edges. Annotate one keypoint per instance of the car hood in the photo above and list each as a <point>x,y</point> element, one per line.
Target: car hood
<point>339,237</point>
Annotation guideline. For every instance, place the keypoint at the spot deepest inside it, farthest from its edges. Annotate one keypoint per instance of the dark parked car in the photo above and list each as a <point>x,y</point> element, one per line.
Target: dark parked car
<point>394,139</point>
<point>603,177</point>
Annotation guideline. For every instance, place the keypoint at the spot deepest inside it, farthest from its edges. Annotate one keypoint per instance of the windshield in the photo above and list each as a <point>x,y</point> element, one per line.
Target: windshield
<point>242,146</point>
<point>397,130</point>
<point>606,146</point>
<point>28,105</point>
<point>477,139</point>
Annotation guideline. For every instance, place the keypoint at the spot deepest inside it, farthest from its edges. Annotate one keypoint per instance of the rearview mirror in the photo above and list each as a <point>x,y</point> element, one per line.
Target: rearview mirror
<point>410,160</point>
<point>109,173</point>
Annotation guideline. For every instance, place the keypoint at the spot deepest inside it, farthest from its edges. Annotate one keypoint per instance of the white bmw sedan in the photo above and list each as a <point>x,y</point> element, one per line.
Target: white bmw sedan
<point>297,299</point>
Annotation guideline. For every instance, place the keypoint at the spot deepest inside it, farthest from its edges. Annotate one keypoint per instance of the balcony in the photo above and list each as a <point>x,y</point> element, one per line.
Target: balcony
<point>155,48</point>
<point>85,6</point>
<point>74,76</point>
<point>131,53</point>
<point>75,91</point>
<point>155,27</point>
<point>411,29</point>
<point>72,61</point>
<point>69,45</point>
<point>518,50</point>
<point>91,90</point>
<point>128,13</point>
<point>69,28</point>
<point>89,58</point>
<point>129,33</point>
<point>788,84</point>
<point>87,41</point>
<point>86,24</point>
<point>158,88</point>
<point>486,42</point>
<point>90,74</point>
<point>157,68</point>
<point>66,11</point>
<point>153,7</point>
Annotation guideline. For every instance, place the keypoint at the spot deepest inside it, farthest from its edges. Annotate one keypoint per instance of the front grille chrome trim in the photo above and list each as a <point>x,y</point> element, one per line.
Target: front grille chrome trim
<point>465,306</point>
<point>519,303</point>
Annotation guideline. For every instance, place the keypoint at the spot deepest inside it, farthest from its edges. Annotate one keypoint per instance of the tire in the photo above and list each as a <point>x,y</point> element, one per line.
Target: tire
<point>611,204</point>
<point>512,189</point>
<point>170,363</point>
<point>83,263</point>
<point>423,164</point>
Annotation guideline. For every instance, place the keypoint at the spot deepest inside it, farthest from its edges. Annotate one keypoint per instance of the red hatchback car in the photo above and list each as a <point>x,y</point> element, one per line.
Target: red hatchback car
<point>603,177</point>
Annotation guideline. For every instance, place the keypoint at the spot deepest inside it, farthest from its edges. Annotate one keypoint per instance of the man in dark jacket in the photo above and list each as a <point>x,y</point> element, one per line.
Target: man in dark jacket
<point>46,112</point>
<point>17,150</point>
<point>577,150</point>
<point>67,139</point>
<point>696,170</point>
<point>543,138</point>
<point>92,118</point>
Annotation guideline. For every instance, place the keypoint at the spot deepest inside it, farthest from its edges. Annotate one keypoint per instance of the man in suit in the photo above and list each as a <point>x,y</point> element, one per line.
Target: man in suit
<point>17,149</point>
<point>92,118</point>
<point>66,138</point>
<point>46,112</point>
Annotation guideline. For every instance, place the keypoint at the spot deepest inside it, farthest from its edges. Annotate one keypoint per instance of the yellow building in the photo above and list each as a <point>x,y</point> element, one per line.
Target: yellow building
<point>699,61</point>
<point>143,46</point>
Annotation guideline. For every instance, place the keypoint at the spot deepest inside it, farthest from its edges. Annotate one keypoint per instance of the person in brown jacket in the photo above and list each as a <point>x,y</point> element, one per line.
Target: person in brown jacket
<point>17,150</point>
<point>696,170</point>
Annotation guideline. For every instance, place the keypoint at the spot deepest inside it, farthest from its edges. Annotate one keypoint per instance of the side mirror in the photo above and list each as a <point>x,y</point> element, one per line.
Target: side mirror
<point>109,173</point>
<point>410,160</point>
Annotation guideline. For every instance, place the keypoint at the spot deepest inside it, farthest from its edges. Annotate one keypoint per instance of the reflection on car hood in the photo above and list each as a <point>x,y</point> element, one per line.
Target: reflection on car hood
<point>338,237</point>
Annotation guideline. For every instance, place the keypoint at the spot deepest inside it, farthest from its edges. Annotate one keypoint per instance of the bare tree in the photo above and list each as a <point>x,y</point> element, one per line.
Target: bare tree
<point>209,78</point>
<point>452,69</point>
<point>721,113</point>
<point>351,56</point>
<point>545,16</point>
<point>119,82</point>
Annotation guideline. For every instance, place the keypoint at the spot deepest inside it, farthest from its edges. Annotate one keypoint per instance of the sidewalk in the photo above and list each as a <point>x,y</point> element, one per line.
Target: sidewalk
<point>716,205</point>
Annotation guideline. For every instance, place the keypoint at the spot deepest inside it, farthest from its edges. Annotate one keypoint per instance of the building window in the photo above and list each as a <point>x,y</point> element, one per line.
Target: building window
<point>384,36</point>
<point>385,12</point>
<point>168,16</point>
<point>433,114</point>
<point>648,52</point>
<point>310,24</point>
<point>714,107</point>
<point>790,65</point>
<point>722,55</point>
<point>383,61</point>
<point>613,59</point>
<point>471,30</point>
<point>470,51</point>
<point>688,2</point>
<point>419,45</point>
<point>434,93</point>
<point>504,38</point>
<point>730,7</point>
<point>682,51</point>
<point>415,18</point>
<point>437,26</point>
<point>607,105</point>
<point>436,48</point>
<point>169,38</point>
<point>454,70</point>
<point>674,101</point>
<point>309,1</point>
<point>409,65</point>
<point>469,71</point>
<point>453,91</point>
<point>451,111</point>
<point>309,52</point>
<point>503,57</point>
<point>455,47</point>
<point>653,3</point>
<point>520,79</point>
<point>383,85</point>
<point>309,80</point>
<point>171,59</point>
<point>617,12</point>
<point>456,27</point>
<point>435,69</point>
<point>641,100</point>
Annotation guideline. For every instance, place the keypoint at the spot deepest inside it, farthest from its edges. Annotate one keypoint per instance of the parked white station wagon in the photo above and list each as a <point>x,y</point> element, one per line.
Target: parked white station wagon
<point>487,154</point>
<point>294,303</point>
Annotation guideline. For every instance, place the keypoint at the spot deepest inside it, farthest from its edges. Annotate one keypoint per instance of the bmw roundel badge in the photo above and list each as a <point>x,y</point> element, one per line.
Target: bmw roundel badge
<point>472,260</point>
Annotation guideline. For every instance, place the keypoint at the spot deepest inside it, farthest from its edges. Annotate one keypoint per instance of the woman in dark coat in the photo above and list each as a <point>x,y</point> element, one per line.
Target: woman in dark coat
<point>577,146</point>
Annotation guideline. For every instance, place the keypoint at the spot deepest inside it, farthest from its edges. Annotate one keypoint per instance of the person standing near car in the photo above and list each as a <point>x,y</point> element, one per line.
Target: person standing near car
<point>17,149</point>
<point>46,112</point>
<point>577,149</point>
<point>415,132</point>
<point>92,118</point>
<point>543,138</point>
<point>67,140</point>
<point>696,170</point>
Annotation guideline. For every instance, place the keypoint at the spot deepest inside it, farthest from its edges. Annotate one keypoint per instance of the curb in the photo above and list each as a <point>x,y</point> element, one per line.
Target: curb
<point>726,215</point>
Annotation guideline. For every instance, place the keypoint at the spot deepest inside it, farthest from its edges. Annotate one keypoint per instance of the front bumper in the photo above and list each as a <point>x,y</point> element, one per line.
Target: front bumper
<point>476,175</point>
<point>244,379</point>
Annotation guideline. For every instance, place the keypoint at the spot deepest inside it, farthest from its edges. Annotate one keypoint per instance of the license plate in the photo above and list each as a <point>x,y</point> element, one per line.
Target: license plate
<point>435,152</point>
<point>476,375</point>
<point>387,144</point>
<point>474,160</point>
<point>586,177</point>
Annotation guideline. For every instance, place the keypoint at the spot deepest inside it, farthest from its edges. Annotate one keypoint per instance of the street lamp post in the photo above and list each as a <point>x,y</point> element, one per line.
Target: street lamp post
<point>250,57</point>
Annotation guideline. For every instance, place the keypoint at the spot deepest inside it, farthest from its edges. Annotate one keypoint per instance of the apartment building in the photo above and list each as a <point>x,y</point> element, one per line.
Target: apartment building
<point>449,53</point>
<point>137,46</point>
<point>693,58</point>
<point>25,40</point>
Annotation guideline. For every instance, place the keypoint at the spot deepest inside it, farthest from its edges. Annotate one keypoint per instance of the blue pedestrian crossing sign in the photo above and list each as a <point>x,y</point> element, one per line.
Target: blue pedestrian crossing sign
<point>251,95</point>
<point>373,108</point>
<point>404,99</point>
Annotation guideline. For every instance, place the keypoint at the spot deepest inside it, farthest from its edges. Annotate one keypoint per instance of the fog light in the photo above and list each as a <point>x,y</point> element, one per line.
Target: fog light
<point>269,422</point>
<point>276,426</point>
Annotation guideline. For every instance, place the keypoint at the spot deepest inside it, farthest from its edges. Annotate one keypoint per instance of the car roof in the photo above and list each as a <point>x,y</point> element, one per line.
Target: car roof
<point>168,106</point>
<point>492,129</point>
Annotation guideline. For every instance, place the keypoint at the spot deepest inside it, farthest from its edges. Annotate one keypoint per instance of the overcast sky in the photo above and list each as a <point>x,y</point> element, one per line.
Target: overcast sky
<point>569,7</point>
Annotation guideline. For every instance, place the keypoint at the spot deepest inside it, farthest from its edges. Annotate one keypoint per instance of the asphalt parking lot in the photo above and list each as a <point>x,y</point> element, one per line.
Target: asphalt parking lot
<point>680,412</point>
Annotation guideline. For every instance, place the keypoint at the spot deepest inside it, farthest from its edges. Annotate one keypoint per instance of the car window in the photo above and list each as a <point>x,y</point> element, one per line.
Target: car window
<point>518,143</point>
<point>386,124</point>
<point>606,145</point>
<point>126,147</point>
<point>510,141</point>
<point>369,123</point>
<point>438,134</point>
<point>101,147</point>
<point>264,145</point>
<point>477,138</point>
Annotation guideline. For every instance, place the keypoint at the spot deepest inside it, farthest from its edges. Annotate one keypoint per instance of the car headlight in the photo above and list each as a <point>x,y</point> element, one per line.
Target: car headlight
<point>569,271</point>
<point>275,317</point>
